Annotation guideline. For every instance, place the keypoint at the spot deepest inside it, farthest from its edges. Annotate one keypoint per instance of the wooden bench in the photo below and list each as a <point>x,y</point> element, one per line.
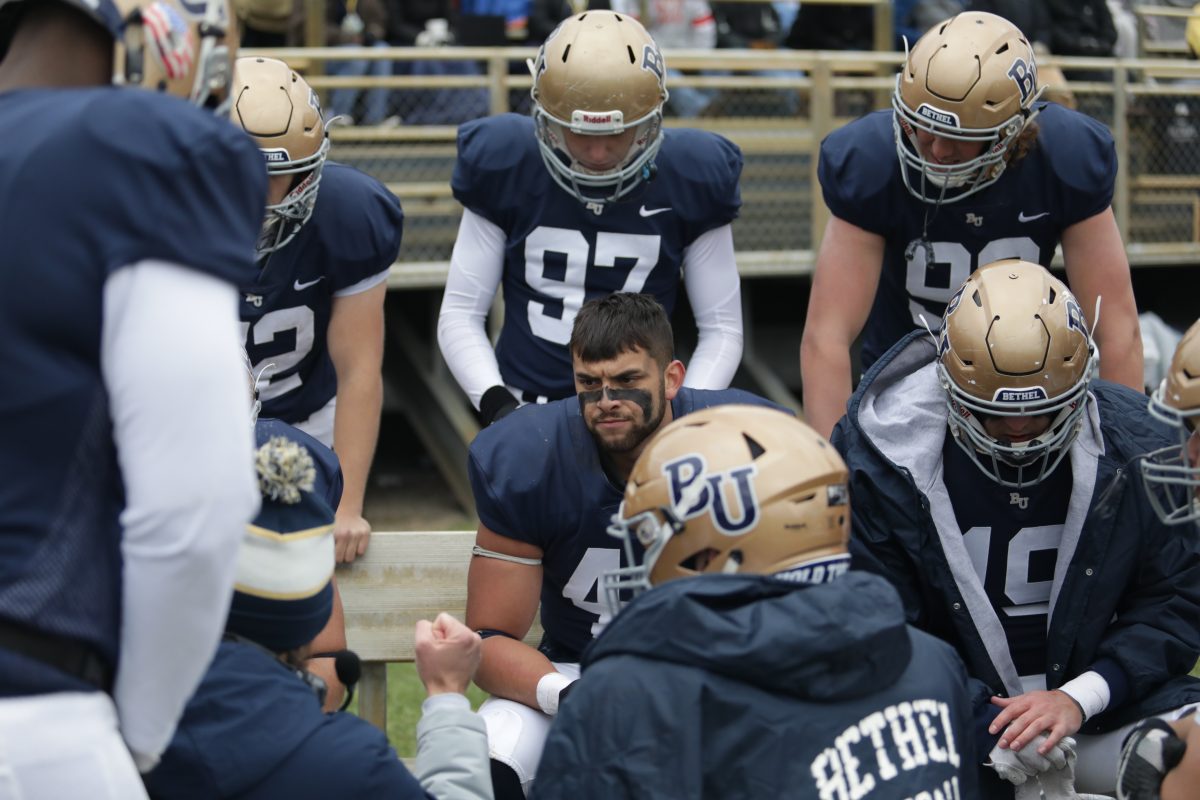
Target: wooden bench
<point>404,577</point>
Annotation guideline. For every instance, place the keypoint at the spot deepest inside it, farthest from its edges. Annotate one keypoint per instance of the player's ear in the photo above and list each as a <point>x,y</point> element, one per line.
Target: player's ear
<point>673,378</point>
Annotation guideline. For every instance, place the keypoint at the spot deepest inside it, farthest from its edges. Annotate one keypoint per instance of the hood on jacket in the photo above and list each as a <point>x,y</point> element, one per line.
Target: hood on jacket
<point>830,642</point>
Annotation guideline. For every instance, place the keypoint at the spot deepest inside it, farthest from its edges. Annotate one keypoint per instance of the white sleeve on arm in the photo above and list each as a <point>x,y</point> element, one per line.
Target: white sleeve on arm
<point>180,407</point>
<point>452,750</point>
<point>476,267</point>
<point>715,293</point>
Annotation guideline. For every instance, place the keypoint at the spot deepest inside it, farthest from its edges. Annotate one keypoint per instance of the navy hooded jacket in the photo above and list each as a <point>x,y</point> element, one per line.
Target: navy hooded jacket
<point>747,686</point>
<point>1126,591</point>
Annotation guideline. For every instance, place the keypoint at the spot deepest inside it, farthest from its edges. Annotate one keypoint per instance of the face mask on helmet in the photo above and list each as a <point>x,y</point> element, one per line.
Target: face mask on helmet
<point>731,490</point>
<point>285,219</point>
<point>1014,346</point>
<point>598,92</point>
<point>1172,474</point>
<point>183,47</point>
<point>971,81</point>
<point>282,113</point>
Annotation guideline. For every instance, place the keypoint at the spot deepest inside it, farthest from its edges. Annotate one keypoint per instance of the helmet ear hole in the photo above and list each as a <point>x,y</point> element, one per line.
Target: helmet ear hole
<point>755,448</point>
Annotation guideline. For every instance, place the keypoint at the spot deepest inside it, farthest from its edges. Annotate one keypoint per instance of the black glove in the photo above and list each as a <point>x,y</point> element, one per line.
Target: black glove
<point>496,403</point>
<point>1151,750</point>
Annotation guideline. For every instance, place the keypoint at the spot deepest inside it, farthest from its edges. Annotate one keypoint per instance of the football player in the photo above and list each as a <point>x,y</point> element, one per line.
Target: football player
<point>588,197</point>
<point>313,313</point>
<point>778,673</point>
<point>990,476</point>
<point>546,481</point>
<point>130,215</point>
<point>982,171</point>
<point>1172,475</point>
<point>1161,760</point>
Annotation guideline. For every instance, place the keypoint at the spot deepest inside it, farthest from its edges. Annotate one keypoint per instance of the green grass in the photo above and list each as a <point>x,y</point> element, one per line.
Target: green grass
<point>405,695</point>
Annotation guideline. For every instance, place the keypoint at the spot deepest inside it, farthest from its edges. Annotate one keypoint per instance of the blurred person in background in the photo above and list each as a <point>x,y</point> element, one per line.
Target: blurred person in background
<point>359,23</point>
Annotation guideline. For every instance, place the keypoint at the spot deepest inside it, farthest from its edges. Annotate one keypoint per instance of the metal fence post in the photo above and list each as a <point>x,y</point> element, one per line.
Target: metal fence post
<point>1121,198</point>
<point>821,110</point>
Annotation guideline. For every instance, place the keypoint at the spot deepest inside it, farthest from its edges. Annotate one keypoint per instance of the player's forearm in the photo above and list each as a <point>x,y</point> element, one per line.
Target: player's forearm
<point>511,669</point>
<point>825,376</point>
<point>189,489</point>
<point>355,433</point>
<point>476,268</point>
<point>714,291</point>
<point>1121,356</point>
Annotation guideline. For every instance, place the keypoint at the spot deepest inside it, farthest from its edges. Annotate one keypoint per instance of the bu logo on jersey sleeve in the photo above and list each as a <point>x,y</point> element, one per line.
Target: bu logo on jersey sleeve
<point>728,496</point>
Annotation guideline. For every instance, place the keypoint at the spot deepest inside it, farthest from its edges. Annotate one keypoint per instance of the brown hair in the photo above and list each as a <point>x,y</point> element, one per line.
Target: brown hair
<point>619,323</point>
<point>1023,146</point>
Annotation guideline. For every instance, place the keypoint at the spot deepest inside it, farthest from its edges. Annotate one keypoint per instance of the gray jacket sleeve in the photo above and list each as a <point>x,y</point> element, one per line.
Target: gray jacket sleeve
<point>452,750</point>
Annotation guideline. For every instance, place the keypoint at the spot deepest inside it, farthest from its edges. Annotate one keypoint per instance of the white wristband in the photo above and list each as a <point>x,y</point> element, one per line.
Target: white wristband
<point>1090,690</point>
<point>548,689</point>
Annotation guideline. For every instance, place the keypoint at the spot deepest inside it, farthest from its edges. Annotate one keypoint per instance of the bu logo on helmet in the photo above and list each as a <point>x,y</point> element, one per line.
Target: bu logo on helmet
<point>1075,317</point>
<point>653,61</point>
<point>1025,76</point>
<point>689,477</point>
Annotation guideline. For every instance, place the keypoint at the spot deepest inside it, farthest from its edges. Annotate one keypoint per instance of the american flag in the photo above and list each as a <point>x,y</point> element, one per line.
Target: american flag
<point>168,36</point>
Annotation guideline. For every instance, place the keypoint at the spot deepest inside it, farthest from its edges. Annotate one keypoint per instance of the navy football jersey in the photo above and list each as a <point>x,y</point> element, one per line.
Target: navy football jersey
<point>91,180</point>
<point>537,478</point>
<point>354,233</point>
<point>1066,178</point>
<point>328,480</point>
<point>559,253</point>
<point>1013,538</point>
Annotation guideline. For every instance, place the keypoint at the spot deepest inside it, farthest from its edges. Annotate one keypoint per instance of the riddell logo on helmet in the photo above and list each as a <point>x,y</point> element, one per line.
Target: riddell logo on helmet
<point>597,119</point>
<point>937,115</point>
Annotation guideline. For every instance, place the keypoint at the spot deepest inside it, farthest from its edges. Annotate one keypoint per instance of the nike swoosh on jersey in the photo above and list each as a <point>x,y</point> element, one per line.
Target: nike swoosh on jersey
<point>1022,218</point>
<point>650,212</point>
<point>300,287</point>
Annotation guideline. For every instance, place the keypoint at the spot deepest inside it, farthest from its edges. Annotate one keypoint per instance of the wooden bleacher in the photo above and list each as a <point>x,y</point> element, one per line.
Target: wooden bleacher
<point>404,577</point>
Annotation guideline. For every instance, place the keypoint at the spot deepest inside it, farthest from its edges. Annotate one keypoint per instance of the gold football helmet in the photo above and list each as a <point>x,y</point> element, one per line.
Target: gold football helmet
<point>1172,474</point>
<point>973,79</point>
<point>599,74</point>
<point>732,489</point>
<point>283,114</point>
<point>181,47</point>
<point>1014,343</point>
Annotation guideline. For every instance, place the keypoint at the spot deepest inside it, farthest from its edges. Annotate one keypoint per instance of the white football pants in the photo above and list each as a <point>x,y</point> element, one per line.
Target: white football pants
<point>517,733</point>
<point>65,745</point>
